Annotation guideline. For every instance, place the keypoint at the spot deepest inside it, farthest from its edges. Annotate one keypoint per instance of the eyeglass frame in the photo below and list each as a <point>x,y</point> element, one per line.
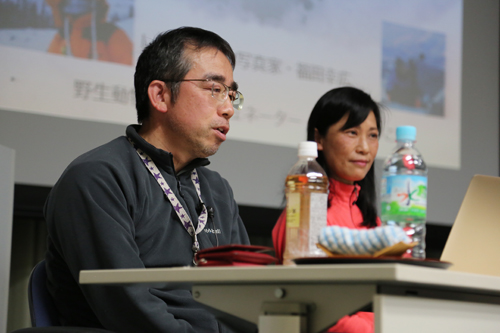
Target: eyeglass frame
<point>228,89</point>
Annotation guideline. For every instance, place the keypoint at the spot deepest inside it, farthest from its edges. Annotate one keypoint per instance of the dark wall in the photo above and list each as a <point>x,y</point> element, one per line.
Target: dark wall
<point>259,221</point>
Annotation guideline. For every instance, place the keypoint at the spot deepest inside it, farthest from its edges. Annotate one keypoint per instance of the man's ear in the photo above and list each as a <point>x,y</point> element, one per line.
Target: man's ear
<point>318,138</point>
<point>159,95</point>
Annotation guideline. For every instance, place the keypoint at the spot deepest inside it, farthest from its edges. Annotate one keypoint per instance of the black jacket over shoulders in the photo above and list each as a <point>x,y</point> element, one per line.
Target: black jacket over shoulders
<point>107,211</point>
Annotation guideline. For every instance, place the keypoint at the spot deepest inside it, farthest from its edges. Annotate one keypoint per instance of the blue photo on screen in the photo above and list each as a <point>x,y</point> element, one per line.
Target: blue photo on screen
<point>413,69</point>
<point>88,29</point>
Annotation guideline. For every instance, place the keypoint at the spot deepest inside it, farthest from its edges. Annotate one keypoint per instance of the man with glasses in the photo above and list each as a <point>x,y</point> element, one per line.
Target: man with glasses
<point>146,199</point>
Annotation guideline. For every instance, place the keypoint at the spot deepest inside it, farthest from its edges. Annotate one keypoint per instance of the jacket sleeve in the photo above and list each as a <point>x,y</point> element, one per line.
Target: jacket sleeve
<point>360,322</point>
<point>279,236</point>
<point>218,194</point>
<point>89,216</point>
<point>239,233</point>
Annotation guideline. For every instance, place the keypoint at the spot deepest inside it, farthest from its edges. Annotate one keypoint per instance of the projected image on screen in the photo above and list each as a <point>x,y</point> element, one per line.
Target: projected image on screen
<point>288,54</point>
<point>413,69</point>
<point>90,29</point>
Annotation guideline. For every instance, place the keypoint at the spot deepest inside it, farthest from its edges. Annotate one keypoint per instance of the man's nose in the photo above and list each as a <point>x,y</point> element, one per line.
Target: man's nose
<point>226,110</point>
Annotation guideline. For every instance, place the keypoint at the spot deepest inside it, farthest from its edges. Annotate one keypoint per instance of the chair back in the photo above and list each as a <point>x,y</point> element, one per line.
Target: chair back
<point>43,311</point>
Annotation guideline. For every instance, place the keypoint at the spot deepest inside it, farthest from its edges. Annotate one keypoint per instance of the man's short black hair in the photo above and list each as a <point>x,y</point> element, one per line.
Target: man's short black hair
<point>164,59</point>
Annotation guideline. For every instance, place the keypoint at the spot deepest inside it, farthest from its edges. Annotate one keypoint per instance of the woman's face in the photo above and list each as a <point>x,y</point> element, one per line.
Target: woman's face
<point>349,153</point>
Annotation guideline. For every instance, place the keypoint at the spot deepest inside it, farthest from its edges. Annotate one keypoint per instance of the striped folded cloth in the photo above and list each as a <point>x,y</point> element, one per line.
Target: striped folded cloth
<point>343,240</point>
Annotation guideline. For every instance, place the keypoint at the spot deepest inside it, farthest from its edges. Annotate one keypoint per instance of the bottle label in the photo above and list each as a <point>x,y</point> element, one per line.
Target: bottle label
<point>404,197</point>
<point>293,210</point>
<point>317,218</point>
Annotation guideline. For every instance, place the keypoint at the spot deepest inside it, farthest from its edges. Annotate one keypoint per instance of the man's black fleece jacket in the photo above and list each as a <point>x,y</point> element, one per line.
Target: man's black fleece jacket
<point>106,212</point>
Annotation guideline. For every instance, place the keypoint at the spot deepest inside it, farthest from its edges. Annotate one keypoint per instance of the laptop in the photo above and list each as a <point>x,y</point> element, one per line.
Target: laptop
<point>474,242</point>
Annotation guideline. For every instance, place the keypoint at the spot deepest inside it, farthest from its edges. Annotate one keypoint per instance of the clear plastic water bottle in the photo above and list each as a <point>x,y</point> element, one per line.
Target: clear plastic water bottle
<point>306,204</point>
<point>404,189</point>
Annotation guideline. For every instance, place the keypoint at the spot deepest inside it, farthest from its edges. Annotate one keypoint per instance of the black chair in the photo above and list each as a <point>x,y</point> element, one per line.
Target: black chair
<point>43,312</point>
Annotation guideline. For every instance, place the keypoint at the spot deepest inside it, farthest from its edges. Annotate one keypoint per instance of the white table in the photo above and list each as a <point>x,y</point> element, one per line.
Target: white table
<point>310,298</point>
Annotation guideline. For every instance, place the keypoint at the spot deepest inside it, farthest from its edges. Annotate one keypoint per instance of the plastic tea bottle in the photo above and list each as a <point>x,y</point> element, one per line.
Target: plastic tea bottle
<point>306,204</point>
<point>404,189</point>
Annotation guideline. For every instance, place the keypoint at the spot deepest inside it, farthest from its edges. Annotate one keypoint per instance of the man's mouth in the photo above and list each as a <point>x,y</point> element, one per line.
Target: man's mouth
<point>223,129</point>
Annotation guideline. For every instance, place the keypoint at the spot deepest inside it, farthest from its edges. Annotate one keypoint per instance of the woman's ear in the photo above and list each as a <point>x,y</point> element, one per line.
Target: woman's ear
<point>159,95</point>
<point>318,138</point>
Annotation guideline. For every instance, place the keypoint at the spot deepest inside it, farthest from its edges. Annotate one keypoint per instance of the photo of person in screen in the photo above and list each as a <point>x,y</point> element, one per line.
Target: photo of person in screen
<point>413,69</point>
<point>84,32</point>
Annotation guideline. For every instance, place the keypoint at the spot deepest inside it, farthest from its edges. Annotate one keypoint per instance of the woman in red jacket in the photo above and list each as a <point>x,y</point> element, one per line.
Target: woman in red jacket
<point>346,125</point>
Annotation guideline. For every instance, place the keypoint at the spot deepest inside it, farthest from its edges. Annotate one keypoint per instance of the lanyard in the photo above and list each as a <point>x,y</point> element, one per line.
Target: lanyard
<point>181,212</point>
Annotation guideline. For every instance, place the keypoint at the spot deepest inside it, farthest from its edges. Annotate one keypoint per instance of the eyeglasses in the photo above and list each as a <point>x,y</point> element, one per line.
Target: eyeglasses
<point>220,92</point>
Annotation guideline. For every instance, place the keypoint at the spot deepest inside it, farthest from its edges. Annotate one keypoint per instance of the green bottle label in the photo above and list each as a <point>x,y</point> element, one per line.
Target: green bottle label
<point>404,197</point>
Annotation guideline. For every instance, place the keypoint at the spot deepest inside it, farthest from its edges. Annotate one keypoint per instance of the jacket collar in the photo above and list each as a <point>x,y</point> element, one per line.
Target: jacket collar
<point>163,159</point>
<point>342,190</point>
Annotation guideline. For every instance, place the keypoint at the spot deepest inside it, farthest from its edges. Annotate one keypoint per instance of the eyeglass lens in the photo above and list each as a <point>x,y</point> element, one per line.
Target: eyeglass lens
<point>222,92</point>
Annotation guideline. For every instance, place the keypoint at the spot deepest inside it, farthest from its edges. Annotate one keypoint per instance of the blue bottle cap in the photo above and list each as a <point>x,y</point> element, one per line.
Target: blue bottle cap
<point>404,133</point>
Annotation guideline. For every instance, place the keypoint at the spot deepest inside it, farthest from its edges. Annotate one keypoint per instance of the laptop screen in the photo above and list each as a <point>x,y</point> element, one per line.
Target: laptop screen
<point>474,242</point>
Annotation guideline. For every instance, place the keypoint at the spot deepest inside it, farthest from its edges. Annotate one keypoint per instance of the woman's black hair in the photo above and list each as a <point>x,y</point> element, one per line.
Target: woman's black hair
<point>329,109</point>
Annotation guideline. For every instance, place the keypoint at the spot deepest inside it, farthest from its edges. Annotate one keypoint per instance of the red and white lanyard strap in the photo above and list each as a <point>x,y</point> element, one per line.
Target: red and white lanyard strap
<point>181,212</point>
